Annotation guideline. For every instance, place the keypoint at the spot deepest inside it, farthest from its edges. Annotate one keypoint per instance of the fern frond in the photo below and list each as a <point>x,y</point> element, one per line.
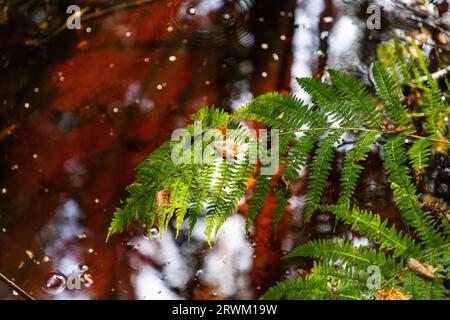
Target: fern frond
<point>353,91</point>
<point>279,111</point>
<point>323,283</point>
<point>299,154</point>
<point>433,96</point>
<point>211,117</point>
<point>227,192</point>
<point>300,289</point>
<point>351,168</point>
<point>331,251</point>
<point>118,223</point>
<point>421,289</point>
<point>370,225</point>
<point>320,169</point>
<point>390,93</point>
<point>260,191</point>
<point>199,193</point>
<point>280,206</point>
<point>347,283</point>
<point>328,99</point>
<point>405,193</point>
<point>436,107</point>
<point>419,153</point>
<point>400,61</point>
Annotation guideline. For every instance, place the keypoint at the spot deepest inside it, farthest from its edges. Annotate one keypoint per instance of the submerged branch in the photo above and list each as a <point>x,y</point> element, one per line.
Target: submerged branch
<point>88,15</point>
<point>16,288</point>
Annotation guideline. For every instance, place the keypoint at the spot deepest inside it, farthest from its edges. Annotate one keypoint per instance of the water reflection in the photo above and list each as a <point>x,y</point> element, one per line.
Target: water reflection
<point>215,21</point>
<point>102,98</point>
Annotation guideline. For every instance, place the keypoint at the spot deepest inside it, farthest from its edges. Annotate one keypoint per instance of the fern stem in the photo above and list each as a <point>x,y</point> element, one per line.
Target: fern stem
<point>89,15</point>
<point>436,250</point>
<point>414,136</point>
<point>329,129</point>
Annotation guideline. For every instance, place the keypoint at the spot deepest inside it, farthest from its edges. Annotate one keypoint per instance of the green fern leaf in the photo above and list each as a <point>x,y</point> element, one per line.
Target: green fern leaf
<point>260,191</point>
<point>299,289</point>
<point>351,168</point>
<point>320,169</point>
<point>355,93</point>
<point>299,154</point>
<point>419,153</point>
<point>280,206</point>
<point>330,251</point>
<point>370,225</point>
<point>405,193</point>
<point>390,93</point>
<point>328,99</point>
<point>279,111</point>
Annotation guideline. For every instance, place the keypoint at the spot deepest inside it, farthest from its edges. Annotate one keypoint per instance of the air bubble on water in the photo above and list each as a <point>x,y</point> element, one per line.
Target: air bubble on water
<point>226,16</point>
<point>199,272</point>
<point>82,235</point>
<point>191,11</point>
<point>55,283</point>
<point>15,293</point>
<point>154,232</point>
<point>83,268</point>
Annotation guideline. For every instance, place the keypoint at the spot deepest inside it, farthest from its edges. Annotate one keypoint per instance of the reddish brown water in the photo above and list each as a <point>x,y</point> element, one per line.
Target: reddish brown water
<point>81,111</point>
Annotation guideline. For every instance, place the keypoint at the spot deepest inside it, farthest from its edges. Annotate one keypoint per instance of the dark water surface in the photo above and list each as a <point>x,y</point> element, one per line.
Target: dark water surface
<point>81,110</point>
